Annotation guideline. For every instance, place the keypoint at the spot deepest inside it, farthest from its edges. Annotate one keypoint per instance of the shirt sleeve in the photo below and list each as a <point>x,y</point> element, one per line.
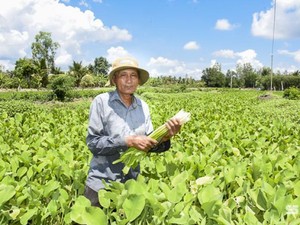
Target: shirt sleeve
<point>97,140</point>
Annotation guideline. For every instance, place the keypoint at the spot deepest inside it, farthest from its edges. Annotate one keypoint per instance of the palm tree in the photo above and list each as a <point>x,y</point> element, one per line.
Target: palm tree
<point>77,70</point>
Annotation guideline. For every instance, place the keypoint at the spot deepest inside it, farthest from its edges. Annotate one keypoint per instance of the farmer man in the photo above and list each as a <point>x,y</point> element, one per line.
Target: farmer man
<point>119,120</point>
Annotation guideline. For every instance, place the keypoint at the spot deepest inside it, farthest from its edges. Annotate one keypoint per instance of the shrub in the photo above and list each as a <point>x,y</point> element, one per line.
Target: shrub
<point>87,81</point>
<point>292,93</point>
<point>61,86</point>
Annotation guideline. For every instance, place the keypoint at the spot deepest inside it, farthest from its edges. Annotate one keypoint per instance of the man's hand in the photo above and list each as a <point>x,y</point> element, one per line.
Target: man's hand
<point>174,127</point>
<point>140,142</point>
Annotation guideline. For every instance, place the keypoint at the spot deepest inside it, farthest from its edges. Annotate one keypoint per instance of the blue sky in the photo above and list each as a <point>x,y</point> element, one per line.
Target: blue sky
<point>168,37</point>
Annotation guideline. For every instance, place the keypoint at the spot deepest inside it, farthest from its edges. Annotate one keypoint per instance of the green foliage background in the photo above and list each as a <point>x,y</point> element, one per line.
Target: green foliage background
<point>236,162</point>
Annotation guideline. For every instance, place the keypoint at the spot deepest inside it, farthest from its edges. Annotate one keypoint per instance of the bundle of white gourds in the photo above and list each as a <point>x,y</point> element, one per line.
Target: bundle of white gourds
<point>132,156</point>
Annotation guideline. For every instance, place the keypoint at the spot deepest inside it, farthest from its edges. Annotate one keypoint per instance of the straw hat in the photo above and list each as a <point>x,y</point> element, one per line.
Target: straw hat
<point>126,63</point>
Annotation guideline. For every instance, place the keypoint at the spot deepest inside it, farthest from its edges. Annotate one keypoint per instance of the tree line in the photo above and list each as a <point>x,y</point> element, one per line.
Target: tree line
<point>40,71</point>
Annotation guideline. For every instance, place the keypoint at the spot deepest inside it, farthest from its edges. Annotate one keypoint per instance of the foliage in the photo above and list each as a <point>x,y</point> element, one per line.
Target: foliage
<point>27,69</point>
<point>43,53</point>
<point>78,71</point>
<point>100,66</point>
<point>87,81</point>
<point>41,171</point>
<point>292,93</point>
<point>213,77</point>
<point>235,162</point>
<point>61,86</point>
<point>247,74</point>
<point>16,106</point>
<point>43,50</point>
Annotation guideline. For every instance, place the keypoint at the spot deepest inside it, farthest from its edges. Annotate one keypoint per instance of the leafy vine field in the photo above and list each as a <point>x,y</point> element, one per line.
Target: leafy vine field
<point>237,161</point>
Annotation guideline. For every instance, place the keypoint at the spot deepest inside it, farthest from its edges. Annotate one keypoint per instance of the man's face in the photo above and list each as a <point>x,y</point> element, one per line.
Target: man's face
<point>126,81</point>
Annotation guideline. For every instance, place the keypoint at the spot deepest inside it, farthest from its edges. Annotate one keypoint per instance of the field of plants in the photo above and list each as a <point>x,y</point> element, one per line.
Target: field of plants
<point>237,161</point>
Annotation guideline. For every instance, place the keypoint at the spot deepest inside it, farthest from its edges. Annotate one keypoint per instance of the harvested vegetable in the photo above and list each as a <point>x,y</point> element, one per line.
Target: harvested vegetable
<point>132,156</point>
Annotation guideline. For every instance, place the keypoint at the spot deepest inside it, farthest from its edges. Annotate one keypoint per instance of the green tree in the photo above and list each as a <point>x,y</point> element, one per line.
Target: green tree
<point>100,66</point>
<point>25,69</point>
<point>248,74</point>
<point>43,53</point>
<point>213,77</point>
<point>77,70</point>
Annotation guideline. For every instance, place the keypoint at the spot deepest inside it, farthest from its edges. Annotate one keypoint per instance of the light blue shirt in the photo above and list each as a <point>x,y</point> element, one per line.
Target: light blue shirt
<point>110,121</point>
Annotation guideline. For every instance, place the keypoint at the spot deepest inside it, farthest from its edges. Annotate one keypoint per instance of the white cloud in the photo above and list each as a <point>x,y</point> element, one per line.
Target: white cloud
<point>295,54</point>
<point>13,42</point>
<point>6,65</point>
<point>224,24</point>
<point>247,56</point>
<point>21,20</point>
<point>287,21</point>
<point>192,45</point>
<point>63,58</point>
<point>162,66</point>
<point>225,53</point>
<point>116,52</point>
<point>163,62</point>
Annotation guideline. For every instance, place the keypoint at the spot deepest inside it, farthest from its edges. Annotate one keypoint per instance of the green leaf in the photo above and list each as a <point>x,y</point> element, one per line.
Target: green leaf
<point>250,219</point>
<point>297,189</point>
<point>204,140</point>
<point>179,178</point>
<point>133,206</point>
<point>21,171</point>
<point>27,216</point>
<point>195,215</point>
<point>262,200</point>
<point>50,186</point>
<point>52,207</point>
<point>103,199</point>
<point>83,213</point>
<point>209,194</point>
<point>6,193</point>
<point>177,193</point>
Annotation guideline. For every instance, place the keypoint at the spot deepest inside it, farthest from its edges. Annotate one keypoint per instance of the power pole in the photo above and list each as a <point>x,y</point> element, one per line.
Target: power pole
<point>272,56</point>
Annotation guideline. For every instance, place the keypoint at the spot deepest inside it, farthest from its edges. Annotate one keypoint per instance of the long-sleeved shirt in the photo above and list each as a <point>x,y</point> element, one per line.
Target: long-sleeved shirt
<point>110,121</point>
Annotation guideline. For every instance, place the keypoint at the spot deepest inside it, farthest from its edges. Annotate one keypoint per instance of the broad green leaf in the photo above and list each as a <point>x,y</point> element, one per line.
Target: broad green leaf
<point>195,215</point>
<point>83,213</point>
<point>6,193</point>
<point>135,187</point>
<point>182,219</point>
<point>52,207</point>
<point>21,171</point>
<point>103,199</point>
<point>297,189</point>
<point>204,140</point>
<point>262,200</point>
<point>209,193</point>
<point>160,167</point>
<point>280,204</point>
<point>250,219</point>
<point>179,178</point>
<point>50,186</point>
<point>133,206</point>
<point>28,215</point>
<point>177,193</point>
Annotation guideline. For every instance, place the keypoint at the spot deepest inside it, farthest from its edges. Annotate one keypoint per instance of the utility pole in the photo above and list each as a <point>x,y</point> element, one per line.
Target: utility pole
<point>273,37</point>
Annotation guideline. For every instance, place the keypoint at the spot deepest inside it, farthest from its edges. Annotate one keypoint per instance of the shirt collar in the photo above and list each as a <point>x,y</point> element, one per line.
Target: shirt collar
<point>115,97</point>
